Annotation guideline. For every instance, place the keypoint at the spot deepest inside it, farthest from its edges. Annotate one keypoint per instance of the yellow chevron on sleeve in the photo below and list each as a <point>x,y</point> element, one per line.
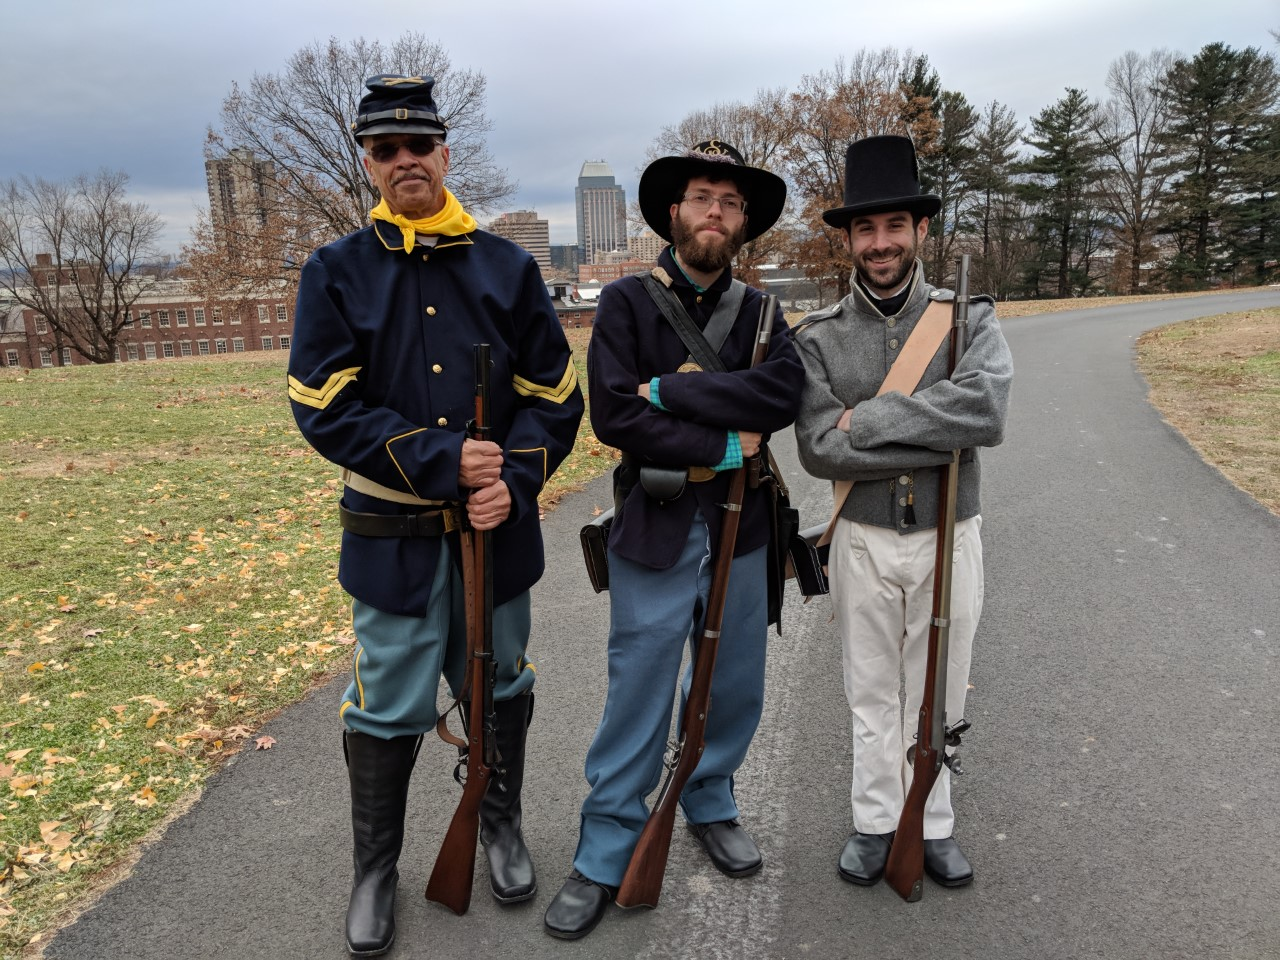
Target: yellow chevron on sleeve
<point>557,394</point>
<point>322,397</point>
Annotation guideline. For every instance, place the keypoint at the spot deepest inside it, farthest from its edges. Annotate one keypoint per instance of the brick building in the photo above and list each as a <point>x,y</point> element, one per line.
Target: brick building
<point>168,320</point>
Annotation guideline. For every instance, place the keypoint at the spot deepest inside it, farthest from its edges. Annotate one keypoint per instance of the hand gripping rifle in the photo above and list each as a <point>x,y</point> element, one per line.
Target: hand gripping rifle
<point>451,878</point>
<point>905,868</point>
<point>642,883</point>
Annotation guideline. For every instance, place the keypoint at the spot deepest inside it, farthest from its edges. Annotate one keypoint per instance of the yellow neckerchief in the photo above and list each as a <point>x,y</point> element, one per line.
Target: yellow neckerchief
<point>451,221</point>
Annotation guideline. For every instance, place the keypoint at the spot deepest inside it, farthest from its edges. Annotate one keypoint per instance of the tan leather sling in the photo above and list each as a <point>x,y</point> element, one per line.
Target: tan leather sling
<point>903,377</point>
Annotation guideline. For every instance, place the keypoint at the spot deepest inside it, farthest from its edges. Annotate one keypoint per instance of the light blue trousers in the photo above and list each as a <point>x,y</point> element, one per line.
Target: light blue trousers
<point>653,614</point>
<point>399,660</point>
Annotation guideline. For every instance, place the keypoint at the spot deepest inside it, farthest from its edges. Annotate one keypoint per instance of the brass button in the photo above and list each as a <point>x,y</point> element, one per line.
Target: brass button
<point>431,311</point>
<point>443,422</point>
<point>893,344</point>
<point>902,523</point>
<point>904,479</point>
<point>902,501</point>
<point>699,298</point>
<point>426,257</point>
<point>436,368</point>
<point>891,322</point>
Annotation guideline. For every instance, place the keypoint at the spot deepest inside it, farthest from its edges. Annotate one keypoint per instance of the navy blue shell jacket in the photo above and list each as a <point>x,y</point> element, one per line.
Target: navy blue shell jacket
<point>630,344</point>
<point>382,382</point>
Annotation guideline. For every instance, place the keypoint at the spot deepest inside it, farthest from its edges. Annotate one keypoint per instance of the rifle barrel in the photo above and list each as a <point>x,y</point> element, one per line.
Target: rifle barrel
<point>904,871</point>
<point>453,874</point>
<point>642,883</point>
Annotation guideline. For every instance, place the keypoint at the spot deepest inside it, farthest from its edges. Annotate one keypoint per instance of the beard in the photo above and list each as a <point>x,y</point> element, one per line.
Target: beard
<point>708,252</point>
<point>885,278</point>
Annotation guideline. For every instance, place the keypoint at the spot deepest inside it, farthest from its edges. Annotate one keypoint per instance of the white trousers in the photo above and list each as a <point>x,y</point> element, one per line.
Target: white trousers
<point>882,594</point>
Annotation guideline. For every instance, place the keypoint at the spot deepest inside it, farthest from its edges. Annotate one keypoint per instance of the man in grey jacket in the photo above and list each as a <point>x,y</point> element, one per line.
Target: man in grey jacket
<point>891,446</point>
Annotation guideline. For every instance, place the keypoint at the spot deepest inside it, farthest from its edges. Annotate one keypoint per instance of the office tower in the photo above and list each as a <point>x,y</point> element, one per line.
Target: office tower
<point>602,212</point>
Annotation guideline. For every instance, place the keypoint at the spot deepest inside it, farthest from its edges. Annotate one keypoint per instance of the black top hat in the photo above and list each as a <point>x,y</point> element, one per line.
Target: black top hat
<point>663,183</point>
<point>881,175</point>
<point>397,105</point>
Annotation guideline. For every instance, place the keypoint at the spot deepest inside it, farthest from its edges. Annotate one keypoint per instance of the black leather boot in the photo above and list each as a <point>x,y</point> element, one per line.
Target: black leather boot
<point>511,873</point>
<point>379,773</point>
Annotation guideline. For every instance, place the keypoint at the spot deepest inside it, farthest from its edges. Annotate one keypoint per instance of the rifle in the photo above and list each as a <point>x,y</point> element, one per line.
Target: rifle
<point>642,883</point>
<point>454,870</point>
<point>904,870</point>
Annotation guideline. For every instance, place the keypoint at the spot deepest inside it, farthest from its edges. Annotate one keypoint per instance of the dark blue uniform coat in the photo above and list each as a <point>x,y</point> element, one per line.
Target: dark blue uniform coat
<point>630,344</point>
<point>382,382</point>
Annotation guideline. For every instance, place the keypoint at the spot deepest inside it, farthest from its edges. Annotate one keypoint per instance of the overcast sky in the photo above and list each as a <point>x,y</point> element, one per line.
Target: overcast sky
<point>133,84</point>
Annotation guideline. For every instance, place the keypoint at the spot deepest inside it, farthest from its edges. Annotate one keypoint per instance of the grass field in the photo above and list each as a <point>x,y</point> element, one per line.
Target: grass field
<point>167,580</point>
<point>168,583</point>
<point>1217,380</point>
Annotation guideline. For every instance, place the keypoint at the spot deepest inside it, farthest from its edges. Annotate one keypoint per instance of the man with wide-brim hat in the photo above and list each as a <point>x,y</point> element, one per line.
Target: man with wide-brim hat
<point>890,447</point>
<point>683,427</point>
<point>382,383</point>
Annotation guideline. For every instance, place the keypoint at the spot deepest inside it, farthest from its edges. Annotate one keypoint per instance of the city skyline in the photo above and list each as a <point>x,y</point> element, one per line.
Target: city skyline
<point>150,78</point>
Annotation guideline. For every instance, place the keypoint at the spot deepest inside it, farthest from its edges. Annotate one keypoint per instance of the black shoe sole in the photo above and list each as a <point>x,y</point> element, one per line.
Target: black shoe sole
<point>572,934</point>
<point>738,874</point>
<point>519,898</point>
<point>859,881</point>
<point>944,882</point>
<point>375,952</point>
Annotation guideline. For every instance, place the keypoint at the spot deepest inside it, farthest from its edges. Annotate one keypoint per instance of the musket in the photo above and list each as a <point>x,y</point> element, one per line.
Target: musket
<point>642,883</point>
<point>454,870</point>
<point>904,871</point>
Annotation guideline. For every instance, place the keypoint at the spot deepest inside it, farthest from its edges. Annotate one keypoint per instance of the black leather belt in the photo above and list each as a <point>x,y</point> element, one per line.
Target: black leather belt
<point>433,523</point>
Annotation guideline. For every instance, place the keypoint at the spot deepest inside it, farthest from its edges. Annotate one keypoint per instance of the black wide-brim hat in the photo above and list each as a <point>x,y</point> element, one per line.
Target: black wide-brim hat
<point>663,183</point>
<point>882,175</point>
<point>397,105</point>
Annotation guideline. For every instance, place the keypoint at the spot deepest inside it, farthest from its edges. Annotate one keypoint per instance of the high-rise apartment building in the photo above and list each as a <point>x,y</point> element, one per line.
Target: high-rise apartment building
<point>524,227</point>
<point>602,211</point>
<point>241,188</point>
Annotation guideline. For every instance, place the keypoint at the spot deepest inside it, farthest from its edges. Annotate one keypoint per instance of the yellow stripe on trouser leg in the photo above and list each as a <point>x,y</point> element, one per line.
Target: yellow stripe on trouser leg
<point>400,660</point>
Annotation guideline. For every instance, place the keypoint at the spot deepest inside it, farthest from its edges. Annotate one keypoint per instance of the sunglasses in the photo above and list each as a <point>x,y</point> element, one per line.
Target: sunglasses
<point>385,152</point>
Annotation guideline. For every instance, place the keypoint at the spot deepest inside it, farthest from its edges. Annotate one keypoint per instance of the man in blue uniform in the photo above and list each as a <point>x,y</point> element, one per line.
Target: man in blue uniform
<point>648,402</point>
<point>382,383</point>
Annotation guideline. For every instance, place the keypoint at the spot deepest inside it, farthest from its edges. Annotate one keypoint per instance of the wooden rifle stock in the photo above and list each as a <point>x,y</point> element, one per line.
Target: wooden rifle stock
<point>454,871</point>
<point>642,883</point>
<point>904,871</point>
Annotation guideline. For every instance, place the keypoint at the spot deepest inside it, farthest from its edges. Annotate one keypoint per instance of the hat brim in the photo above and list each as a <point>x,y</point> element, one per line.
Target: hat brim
<point>921,204</point>
<point>662,181</point>
<point>392,126</point>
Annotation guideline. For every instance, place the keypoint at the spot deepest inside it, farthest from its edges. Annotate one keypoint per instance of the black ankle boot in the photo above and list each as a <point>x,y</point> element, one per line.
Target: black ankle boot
<point>511,873</point>
<point>379,773</point>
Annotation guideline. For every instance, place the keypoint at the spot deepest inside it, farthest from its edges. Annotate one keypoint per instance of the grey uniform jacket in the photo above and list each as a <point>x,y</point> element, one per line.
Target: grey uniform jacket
<point>896,443</point>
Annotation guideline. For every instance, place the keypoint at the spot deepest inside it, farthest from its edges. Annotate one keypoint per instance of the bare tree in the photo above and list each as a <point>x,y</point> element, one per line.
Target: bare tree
<point>855,99</point>
<point>75,254</point>
<point>1131,126</point>
<point>299,120</point>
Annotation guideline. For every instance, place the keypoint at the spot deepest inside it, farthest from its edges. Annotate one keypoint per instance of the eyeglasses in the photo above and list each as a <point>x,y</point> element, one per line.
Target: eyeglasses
<point>731,206</point>
<point>385,152</point>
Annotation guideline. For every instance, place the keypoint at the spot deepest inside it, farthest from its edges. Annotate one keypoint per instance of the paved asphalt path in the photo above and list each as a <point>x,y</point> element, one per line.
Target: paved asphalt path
<point>1122,798</point>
